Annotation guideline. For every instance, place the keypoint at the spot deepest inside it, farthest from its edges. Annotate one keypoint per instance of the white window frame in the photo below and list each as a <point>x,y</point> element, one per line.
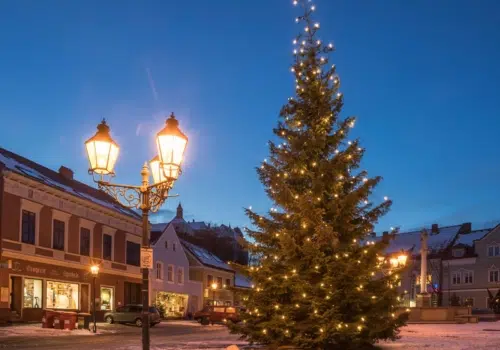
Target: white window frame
<point>493,245</point>
<point>179,268</point>
<point>456,276</point>
<point>64,217</point>
<point>34,208</point>
<point>89,225</point>
<point>493,268</point>
<point>111,232</point>
<point>173,273</point>
<point>162,272</point>
<point>471,273</point>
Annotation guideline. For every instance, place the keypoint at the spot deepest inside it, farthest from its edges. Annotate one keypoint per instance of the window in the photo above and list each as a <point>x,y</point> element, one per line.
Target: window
<point>133,253</point>
<point>32,293</point>
<point>84,241</point>
<point>494,250</point>
<point>180,275</point>
<point>159,270</point>
<point>468,302</point>
<point>107,298</point>
<point>210,280</point>
<point>468,277</point>
<point>166,244</point>
<point>170,273</point>
<point>219,282</point>
<point>58,234</point>
<point>493,275</point>
<point>458,253</point>
<point>107,246</point>
<point>228,283</point>
<point>173,247</point>
<point>455,278</point>
<point>28,227</point>
<point>62,295</point>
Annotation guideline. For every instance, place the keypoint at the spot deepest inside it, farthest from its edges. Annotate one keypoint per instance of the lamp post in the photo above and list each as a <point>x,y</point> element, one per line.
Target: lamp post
<point>103,152</point>
<point>214,288</point>
<point>94,270</point>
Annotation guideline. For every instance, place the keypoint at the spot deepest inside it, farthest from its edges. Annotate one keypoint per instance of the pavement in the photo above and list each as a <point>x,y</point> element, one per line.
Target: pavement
<point>167,335</point>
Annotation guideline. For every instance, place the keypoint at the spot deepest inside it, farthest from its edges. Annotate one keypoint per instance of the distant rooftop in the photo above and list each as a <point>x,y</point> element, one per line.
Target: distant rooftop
<point>205,257</point>
<point>469,238</point>
<point>242,281</point>
<point>62,180</point>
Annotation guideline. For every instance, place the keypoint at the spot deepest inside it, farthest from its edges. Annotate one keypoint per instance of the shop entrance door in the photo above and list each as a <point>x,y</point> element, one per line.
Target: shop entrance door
<point>85,298</point>
<point>16,294</point>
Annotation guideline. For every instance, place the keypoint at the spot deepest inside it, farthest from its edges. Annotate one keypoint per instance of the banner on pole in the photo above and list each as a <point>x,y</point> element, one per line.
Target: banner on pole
<point>146,258</point>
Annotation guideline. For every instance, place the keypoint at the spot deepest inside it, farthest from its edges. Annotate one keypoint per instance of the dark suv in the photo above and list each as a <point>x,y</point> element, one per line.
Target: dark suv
<point>132,314</point>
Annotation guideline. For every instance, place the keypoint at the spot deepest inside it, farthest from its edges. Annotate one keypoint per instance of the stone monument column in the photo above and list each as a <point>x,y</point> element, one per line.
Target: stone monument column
<point>423,298</point>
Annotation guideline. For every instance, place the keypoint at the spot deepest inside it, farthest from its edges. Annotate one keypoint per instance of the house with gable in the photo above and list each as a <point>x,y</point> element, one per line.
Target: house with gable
<point>208,269</point>
<point>472,268</point>
<point>170,286</point>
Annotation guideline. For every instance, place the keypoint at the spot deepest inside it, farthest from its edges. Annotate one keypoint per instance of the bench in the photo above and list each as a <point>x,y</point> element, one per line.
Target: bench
<point>467,319</point>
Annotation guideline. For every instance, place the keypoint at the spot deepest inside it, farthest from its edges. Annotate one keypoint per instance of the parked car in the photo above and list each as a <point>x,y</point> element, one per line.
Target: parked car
<point>215,314</point>
<point>132,314</point>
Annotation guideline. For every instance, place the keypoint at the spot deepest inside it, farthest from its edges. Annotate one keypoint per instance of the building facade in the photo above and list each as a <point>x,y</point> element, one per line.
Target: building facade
<point>53,228</point>
<point>208,269</point>
<point>171,289</point>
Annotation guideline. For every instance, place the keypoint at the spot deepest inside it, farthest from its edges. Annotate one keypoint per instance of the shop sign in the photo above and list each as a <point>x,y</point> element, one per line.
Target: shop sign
<point>146,258</point>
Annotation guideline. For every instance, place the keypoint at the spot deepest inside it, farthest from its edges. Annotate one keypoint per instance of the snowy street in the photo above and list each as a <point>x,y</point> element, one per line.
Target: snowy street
<point>190,335</point>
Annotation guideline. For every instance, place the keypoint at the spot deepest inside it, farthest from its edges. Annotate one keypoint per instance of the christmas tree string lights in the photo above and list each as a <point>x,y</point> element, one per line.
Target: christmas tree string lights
<point>320,282</point>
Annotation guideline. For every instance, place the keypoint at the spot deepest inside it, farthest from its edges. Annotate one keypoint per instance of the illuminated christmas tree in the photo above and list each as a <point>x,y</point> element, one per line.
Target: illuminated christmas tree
<point>320,283</point>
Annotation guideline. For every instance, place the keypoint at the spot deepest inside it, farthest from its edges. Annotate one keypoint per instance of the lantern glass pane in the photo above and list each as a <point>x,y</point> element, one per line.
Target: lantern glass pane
<point>171,171</point>
<point>113,156</point>
<point>171,149</point>
<point>156,171</point>
<point>91,154</point>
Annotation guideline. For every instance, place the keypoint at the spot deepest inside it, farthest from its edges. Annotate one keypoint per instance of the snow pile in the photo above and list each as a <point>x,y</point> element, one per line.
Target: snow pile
<point>38,331</point>
<point>479,336</point>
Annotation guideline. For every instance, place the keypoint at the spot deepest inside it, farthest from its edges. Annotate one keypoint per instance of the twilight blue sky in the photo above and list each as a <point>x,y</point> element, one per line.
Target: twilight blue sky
<point>422,77</point>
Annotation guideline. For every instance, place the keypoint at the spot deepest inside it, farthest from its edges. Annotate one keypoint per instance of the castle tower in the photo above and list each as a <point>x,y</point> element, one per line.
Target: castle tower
<point>180,212</point>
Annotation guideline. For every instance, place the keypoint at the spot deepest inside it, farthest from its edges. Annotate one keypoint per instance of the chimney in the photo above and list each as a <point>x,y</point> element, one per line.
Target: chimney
<point>434,229</point>
<point>67,173</point>
<point>385,237</point>
<point>465,228</point>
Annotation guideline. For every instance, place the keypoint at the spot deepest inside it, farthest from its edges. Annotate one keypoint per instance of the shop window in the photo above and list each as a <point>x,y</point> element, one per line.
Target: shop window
<point>107,247</point>
<point>61,295</point>
<point>180,275</point>
<point>170,273</point>
<point>84,241</point>
<point>172,305</point>
<point>58,228</point>
<point>133,253</point>
<point>32,293</point>
<point>107,298</point>
<point>28,227</point>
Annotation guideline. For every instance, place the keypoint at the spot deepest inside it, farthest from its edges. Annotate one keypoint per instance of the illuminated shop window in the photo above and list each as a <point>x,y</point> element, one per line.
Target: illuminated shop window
<point>32,293</point>
<point>107,298</point>
<point>62,295</point>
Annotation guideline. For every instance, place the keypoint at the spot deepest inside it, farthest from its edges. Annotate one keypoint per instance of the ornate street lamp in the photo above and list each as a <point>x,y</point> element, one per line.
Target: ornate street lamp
<point>103,152</point>
<point>94,270</point>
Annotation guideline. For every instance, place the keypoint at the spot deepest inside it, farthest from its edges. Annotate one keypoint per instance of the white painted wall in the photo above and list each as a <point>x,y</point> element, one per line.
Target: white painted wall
<point>167,256</point>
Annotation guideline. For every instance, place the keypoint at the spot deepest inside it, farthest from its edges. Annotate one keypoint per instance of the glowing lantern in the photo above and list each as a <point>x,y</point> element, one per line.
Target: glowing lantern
<point>102,151</point>
<point>171,143</point>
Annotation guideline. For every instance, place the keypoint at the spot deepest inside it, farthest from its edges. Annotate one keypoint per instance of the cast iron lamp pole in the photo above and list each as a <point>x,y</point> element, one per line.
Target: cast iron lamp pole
<point>94,269</point>
<point>103,152</point>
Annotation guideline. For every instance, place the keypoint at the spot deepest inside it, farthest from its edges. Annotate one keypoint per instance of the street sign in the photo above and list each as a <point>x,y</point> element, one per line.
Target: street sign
<point>146,258</point>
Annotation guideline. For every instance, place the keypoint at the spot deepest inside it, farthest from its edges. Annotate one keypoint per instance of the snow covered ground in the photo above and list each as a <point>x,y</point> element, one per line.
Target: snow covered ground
<point>478,336</point>
<point>186,335</point>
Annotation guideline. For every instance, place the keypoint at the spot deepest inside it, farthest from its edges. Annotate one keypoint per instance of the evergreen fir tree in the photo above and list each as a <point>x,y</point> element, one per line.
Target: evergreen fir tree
<point>320,283</point>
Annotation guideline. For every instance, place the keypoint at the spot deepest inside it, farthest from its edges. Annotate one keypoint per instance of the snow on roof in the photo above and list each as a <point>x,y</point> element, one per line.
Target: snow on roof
<point>469,238</point>
<point>25,167</point>
<point>242,281</point>
<point>411,240</point>
<point>205,257</point>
